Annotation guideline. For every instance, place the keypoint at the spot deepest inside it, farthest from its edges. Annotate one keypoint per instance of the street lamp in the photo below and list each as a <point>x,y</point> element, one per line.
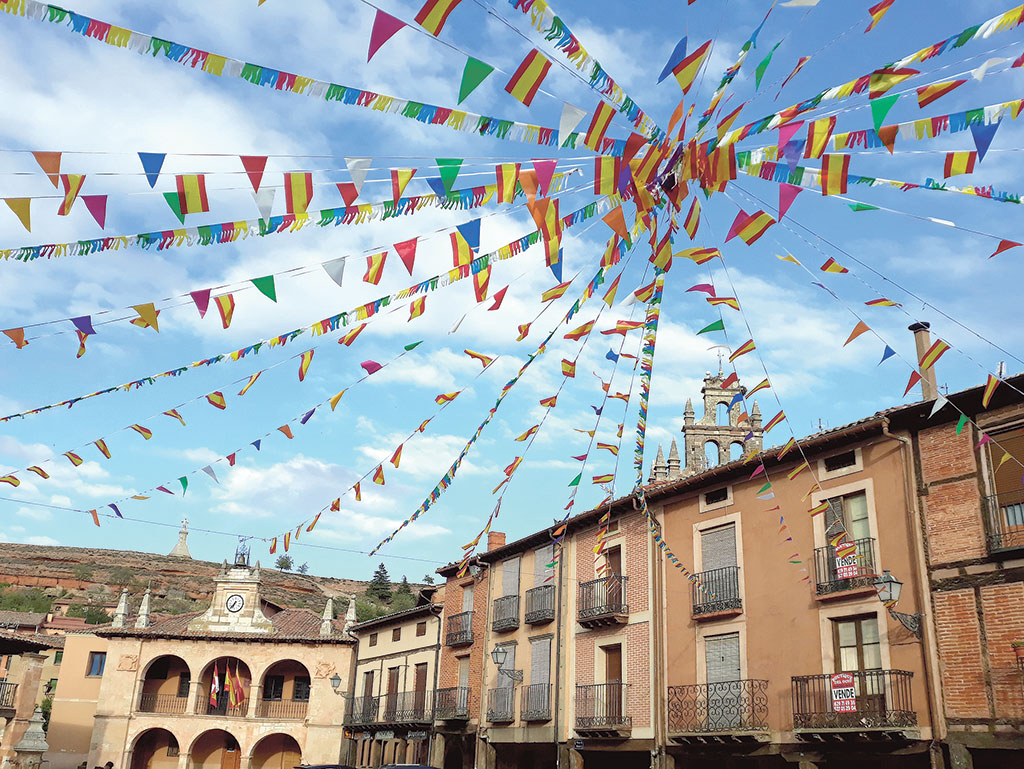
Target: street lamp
<point>500,654</point>
<point>336,684</point>
<point>889,589</point>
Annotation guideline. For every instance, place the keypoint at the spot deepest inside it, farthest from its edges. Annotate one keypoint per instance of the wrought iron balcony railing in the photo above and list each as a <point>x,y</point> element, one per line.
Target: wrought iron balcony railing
<point>1004,519</point>
<point>717,590</point>
<point>282,710</point>
<point>603,599</point>
<point>536,703</point>
<point>459,629</point>
<point>506,613</point>
<point>602,706</point>
<point>834,573</point>
<point>362,711</point>
<point>221,705</point>
<point>864,700</point>
<point>452,704</point>
<point>163,703</point>
<point>540,604</point>
<point>501,705</point>
<point>413,707</point>
<point>725,707</point>
<point>7,692</point>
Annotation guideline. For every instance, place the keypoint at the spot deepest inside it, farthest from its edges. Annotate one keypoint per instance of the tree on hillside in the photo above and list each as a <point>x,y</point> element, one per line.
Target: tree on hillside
<point>121,576</point>
<point>403,587</point>
<point>427,579</point>
<point>28,599</point>
<point>93,614</point>
<point>303,568</point>
<point>284,563</point>
<point>380,586</point>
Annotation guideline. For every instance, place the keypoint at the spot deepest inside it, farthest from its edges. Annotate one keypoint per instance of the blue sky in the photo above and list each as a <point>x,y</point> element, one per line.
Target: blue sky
<point>101,105</point>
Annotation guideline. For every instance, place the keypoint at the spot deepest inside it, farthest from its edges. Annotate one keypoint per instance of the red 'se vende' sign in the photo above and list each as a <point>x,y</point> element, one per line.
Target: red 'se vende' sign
<point>844,695</point>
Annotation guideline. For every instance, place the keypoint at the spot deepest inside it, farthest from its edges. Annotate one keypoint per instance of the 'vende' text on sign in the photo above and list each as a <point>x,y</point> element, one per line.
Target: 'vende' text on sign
<point>844,695</point>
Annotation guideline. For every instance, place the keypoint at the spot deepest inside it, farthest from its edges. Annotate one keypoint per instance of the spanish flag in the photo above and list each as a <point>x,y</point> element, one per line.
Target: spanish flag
<point>762,386</point>
<point>686,71</point>
<point>644,293</point>
<point>304,360</point>
<point>375,267</point>
<point>797,470</point>
<point>644,171</point>
<point>556,292</point>
<point>743,349</point>
<point>250,383</point>
<point>481,280</point>
<point>990,389</point>
<point>834,171</point>
<point>877,11</point>
<point>350,337</point>
<point>933,354</point>
<point>434,14</point>
<point>700,255</point>
<point>833,266</point>
<point>527,78</point>
<point>818,509</point>
<point>622,327</point>
<point>396,457</point>
<point>549,403</point>
<point>528,433</point>
<point>604,478</point>
<point>287,542</point>
<point>507,175</point>
<point>486,360</point>
<point>609,295</point>
<point>881,80</point>
<point>417,307</point>
<point>446,398</point>
<point>775,420</point>
<point>13,480</point>
<point>192,193</point>
<point>755,226</point>
<point>273,545</point>
<point>692,221</point>
<point>610,447</point>
<point>568,368</point>
<point>581,331</point>
<point>102,446</point>
<point>926,94</point>
<point>524,331</point>
<point>298,191</point>
<point>358,491</point>
<point>73,458</point>
<point>226,306</point>
<point>399,179</point>
<point>143,431</point>
<point>606,174</point>
<point>462,254</point>
<point>216,399</point>
<point>959,163</point>
<point>72,185</point>
<point>599,126</point>
<point>378,475</point>
<point>818,134</point>
<point>790,445</point>
<point>883,302</point>
<point>39,471</point>
<point>728,301</point>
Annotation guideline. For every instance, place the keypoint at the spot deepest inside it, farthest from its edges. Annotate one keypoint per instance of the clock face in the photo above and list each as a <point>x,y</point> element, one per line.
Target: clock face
<point>234,602</point>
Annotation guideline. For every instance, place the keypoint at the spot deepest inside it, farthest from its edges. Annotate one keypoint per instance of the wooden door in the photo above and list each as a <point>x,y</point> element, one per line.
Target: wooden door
<point>391,704</point>
<point>858,650</point>
<point>231,756</point>
<point>613,570</point>
<point>367,695</point>
<point>420,698</point>
<point>613,683</point>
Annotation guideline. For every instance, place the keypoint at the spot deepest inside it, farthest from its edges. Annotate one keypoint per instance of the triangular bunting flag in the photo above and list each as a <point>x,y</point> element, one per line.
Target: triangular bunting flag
<point>983,137</point>
<point>265,201</point>
<point>357,168</point>
<point>406,251</point>
<point>97,206</point>
<point>570,119</point>
<point>335,268</point>
<point>474,73</point>
<point>266,287</point>
<point>254,166</point>
<point>384,27</point>
<point>202,300</point>
<point>50,163</point>
<point>152,162</point>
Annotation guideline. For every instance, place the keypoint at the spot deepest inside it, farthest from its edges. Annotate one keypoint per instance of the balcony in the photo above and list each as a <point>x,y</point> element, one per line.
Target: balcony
<point>7,692</point>
<point>841,574</point>
<point>716,593</point>
<point>501,705</point>
<point>282,710</point>
<point>506,613</point>
<point>362,711</point>
<point>406,708</point>
<point>163,703</point>
<point>603,602</point>
<point>459,629</point>
<point>868,705</point>
<point>1004,521</point>
<point>540,605</point>
<point>730,711</point>
<point>601,710</point>
<point>536,703</point>
<point>452,704</point>
<point>221,706</point>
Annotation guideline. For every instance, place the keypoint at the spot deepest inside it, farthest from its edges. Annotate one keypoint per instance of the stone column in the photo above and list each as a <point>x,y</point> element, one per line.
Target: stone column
<point>24,703</point>
<point>376,750</point>
<point>437,746</point>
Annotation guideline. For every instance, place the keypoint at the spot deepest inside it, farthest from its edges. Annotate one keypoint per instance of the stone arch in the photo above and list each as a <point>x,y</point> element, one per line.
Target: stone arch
<point>275,751</point>
<point>155,748</point>
<point>453,754</point>
<point>165,685</point>
<point>712,453</point>
<point>284,689</point>
<point>225,667</point>
<point>722,413</point>
<point>215,749</point>
<point>735,450</point>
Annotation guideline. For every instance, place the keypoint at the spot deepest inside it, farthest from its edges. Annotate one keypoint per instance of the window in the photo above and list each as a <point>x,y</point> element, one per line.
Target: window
<point>856,643</point>
<point>183,683</point>
<point>58,658</point>
<point>97,661</point>
<point>273,687</point>
<point>467,598</point>
<point>716,496</point>
<point>613,526</point>
<point>718,547</point>
<point>421,629</point>
<point>159,669</point>
<point>373,639</point>
<point>852,511</point>
<point>510,577</point>
<point>396,634</point>
<point>613,560</point>
<point>711,454</point>
<point>173,751</point>
<point>839,461</point>
<point>301,692</point>
<point>51,686</point>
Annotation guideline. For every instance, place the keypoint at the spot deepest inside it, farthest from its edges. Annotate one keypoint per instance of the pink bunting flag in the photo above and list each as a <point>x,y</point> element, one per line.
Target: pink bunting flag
<point>787,131</point>
<point>202,300</point>
<point>738,222</point>
<point>97,206</point>
<point>787,194</point>
<point>707,288</point>
<point>254,166</point>
<point>384,27</point>
<point>545,170</point>
<point>371,366</point>
<point>406,252</point>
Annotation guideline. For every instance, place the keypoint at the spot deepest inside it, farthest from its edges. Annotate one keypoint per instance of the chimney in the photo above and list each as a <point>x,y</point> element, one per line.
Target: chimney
<point>495,539</point>
<point>923,342</point>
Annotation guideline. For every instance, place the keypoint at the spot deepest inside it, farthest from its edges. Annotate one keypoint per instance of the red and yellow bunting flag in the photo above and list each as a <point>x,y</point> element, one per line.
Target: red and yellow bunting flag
<point>831,265</point>
<point>700,255</point>
<point>358,492</point>
<point>524,331</point>
<point>192,194</point>
<point>556,292</point>
<point>252,381</point>
<point>102,446</point>
<point>73,458</point>
<point>624,326</point>
<point>481,280</point>
<point>619,397</point>
<point>375,267</point>
<point>790,445</point>
<point>609,295</point>
<point>286,431</point>
<point>644,293</point>
<point>775,420</point>
<point>434,14</point>
<point>990,389</point>
<point>174,413</point>
<point>462,254</point>
<point>72,186</point>
<point>216,399</point>
<point>396,457</point>
<point>568,368</point>
<point>597,479</point>
<point>145,432</point>
<point>818,509</point>
<point>877,11</point>
<point>933,354</point>
<point>662,255</point>
<point>507,175</point>
<point>926,94</point>
<point>39,471</point>
<point>692,222</point>
<point>298,191</point>
<point>350,337</point>
<point>797,470</point>
<point>754,227</point>
<point>399,179</point>
<point>606,174</point>
<point>580,332</point>
<point>883,302</point>
<point>378,475</point>
<point>484,359</point>
<point>550,402</point>
<point>273,545</point>
<point>417,307</point>
<point>959,163</point>
<point>527,78</point>
<point>599,126</point>
<point>317,518</point>
<point>686,71</point>
<point>287,542</point>
<point>528,433</point>
<point>226,307</point>
<point>763,385</point>
<point>818,134</point>
<point>11,479</point>
<point>304,360</point>
<point>148,316</point>
<point>743,349</point>
<point>446,397</point>
<point>644,171</point>
<point>881,80</point>
<point>728,301</point>
<point>610,447</point>
<point>834,172</point>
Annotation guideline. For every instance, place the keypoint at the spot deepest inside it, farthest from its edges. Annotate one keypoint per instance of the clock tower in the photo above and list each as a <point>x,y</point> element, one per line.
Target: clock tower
<point>236,606</point>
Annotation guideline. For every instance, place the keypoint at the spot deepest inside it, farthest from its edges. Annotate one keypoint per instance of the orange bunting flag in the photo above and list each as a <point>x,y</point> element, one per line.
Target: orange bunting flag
<point>617,221</point>
<point>556,292</point>
<point>378,475</point>
<point>304,360</point>
<point>102,446</point>
<point>397,456</point>
<point>375,267</point>
<point>359,494</point>
<point>754,227</point>
<point>95,517</point>
<point>73,458</point>
<point>550,402</point>
<point>728,301</point>
<point>446,397</point>
<point>926,94</point>
<point>599,126</point>
<point>350,337</point>
<point>254,377</point>
<point>286,431</point>
<point>17,335</point>
<point>743,349</point>
<point>226,306</point>
<point>524,331</point>
<point>528,433</point>
<point>692,221</point>
<point>298,191</point>
<point>417,307</point>
<point>72,185</point>
<point>434,14</point>
<point>216,399</point>
<point>834,172</point>
<point>143,431</point>
<point>507,175</point>
<point>399,179</point>
<point>990,389</point>
<point>859,329</point>
<point>484,359</point>
<point>580,332</point>
<point>818,134</point>
<point>568,368</point>
<point>831,265</point>
<point>958,163</point>
<point>877,12</point>
<point>526,80</point>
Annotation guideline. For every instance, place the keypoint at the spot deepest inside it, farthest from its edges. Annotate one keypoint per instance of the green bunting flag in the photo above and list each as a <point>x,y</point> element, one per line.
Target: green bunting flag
<point>413,345</point>
<point>448,168</point>
<point>576,481</point>
<point>862,207</point>
<point>266,287</point>
<point>175,204</point>
<point>763,66</point>
<point>960,424</point>
<point>473,75</point>
<point>880,108</point>
<point>183,480</point>
<point>718,325</point>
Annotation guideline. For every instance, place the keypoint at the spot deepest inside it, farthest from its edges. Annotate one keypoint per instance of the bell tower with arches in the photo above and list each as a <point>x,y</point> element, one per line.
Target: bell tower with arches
<point>724,430</point>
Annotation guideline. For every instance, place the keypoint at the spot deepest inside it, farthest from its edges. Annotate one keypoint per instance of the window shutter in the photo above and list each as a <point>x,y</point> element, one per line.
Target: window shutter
<point>718,548</point>
<point>510,664</point>
<point>510,577</point>
<point>540,661</point>
<point>464,671</point>
<point>542,556</point>
<point>722,657</point>
<point>467,598</point>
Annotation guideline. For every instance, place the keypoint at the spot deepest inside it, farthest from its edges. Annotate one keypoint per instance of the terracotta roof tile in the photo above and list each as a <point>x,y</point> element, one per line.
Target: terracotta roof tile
<point>289,625</point>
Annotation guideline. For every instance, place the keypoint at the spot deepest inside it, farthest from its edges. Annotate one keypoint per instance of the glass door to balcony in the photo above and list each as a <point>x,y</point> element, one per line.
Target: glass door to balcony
<point>613,676</point>
<point>1006,505</point>
<point>613,568</point>
<point>722,662</point>
<point>858,649</point>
